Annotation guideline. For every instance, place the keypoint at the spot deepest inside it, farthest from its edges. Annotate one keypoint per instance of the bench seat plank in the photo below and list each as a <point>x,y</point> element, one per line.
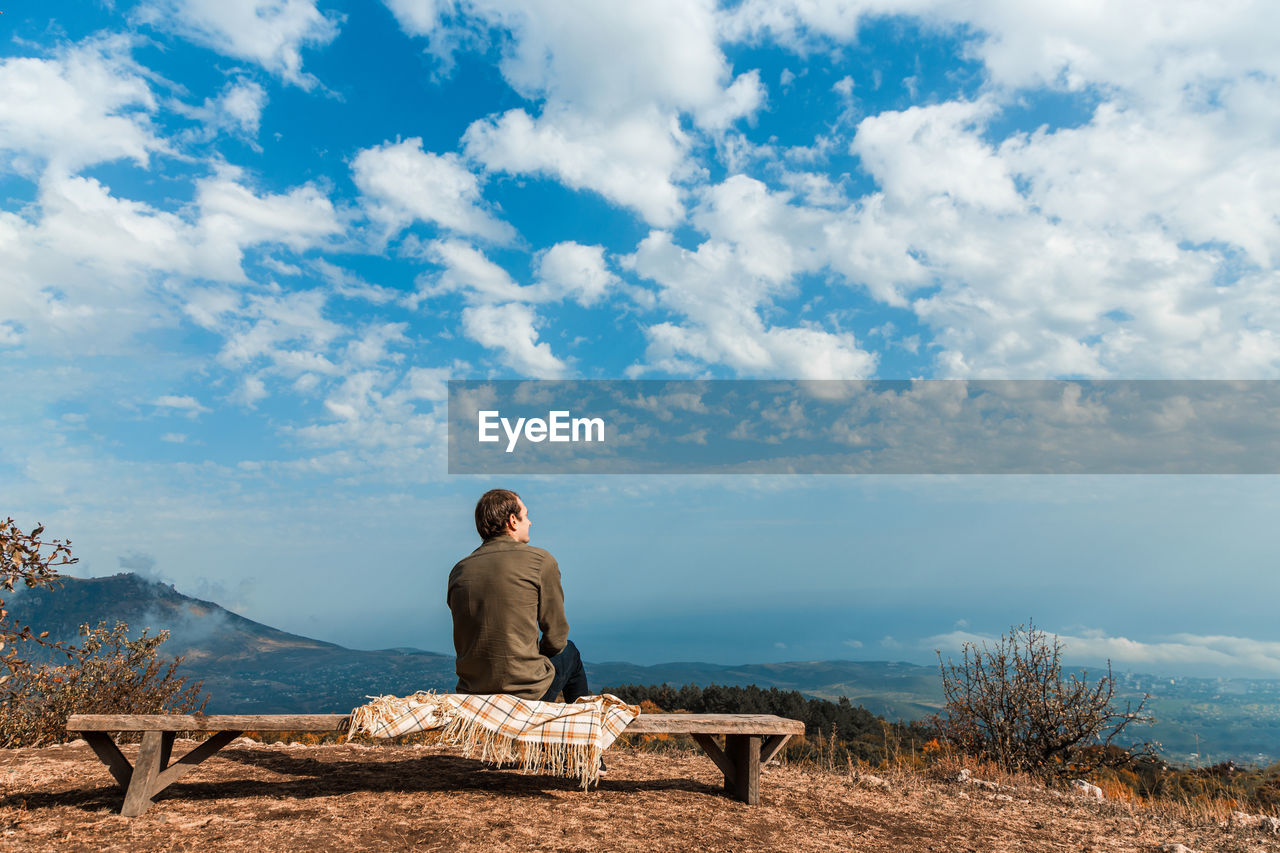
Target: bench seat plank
<point>755,724</point>
<point>207,722</point>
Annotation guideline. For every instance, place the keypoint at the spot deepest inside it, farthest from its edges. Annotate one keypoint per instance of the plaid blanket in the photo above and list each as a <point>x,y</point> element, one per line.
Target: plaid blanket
<point>558,738</point>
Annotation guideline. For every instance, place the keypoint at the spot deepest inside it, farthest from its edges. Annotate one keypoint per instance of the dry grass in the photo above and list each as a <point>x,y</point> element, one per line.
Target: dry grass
<point>352,797</point>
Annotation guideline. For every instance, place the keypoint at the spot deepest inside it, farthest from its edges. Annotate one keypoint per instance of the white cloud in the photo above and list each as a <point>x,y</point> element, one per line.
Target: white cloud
<point>1152,47</point>
<point>501,315</point>
<point>1139,243</point>
<point>402,183</point>
<point>89,103</point>
<point>510,328</point>
<point>182,404</point>
<point>1205,173</point>
<point>468,271</point>
<point>418,17</point>
<point>288,329</point>
<point>742,99</point>
<point>612,58</point>
<point>721,294</point>
<point>634,161</point>
<point>271,33</point>
<point>923,153</point>
<point>758,244</point>
<point>614,79</point>
<point>1098,266</point>
<point>346,283</point>
<point>87,271</point>
<point>572,270</point>
<point>379,409</point>
<point>243,101</point>
<point>236,110</point>
<point>232,218</point>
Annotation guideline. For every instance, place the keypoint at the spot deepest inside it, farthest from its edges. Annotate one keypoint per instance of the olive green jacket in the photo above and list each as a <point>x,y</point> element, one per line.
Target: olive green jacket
<point>500,596</point>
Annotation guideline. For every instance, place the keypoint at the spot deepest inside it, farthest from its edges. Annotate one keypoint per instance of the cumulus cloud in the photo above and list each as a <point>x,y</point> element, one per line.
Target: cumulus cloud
<point>468,271</point>
<point>721,300</point>
<point>1098,249</point>
<point>511,329</point>
<point>88,270</point>
<point>635,161</point>
<point>571,270</point>
<point>271,33</point>
<point>758,244</point>
<point>236,110</point>
<point>610,58</point>
<point>1088,270</point>
<point>567,270</point>
<point>401,183</point>
<point>418,17</point>
<point>614,80</point>
<point>89,103</point>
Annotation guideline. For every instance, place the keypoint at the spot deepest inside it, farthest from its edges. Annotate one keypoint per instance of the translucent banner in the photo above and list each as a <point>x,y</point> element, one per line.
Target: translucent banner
<point>864,427</point>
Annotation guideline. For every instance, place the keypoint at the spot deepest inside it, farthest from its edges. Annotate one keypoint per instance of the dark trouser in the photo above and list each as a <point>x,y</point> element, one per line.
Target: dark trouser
<point>570,676</point>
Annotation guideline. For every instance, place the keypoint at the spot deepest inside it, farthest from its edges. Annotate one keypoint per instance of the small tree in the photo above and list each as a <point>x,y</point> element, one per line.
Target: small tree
<point>1012,705</point>
<point>106,673</point>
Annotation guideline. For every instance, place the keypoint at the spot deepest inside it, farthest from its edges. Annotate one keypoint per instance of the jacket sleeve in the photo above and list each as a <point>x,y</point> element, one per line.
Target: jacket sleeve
<point>555,629</point>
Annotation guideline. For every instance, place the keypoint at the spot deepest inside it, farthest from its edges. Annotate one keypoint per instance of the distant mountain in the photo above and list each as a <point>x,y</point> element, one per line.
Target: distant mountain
<point>246,667</point>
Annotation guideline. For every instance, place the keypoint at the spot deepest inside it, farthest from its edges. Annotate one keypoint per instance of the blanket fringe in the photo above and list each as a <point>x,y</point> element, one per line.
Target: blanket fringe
<point>558,759</point>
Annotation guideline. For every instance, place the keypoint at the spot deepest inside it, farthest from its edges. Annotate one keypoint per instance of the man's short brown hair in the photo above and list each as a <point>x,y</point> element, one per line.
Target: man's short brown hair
<point>492,511</point>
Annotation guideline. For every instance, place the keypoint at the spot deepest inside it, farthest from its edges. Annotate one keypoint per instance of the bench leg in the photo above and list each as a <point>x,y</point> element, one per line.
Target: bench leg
<point>153,772</point>
<point>186,763</point>
<point>109,754</point>
<point>138,797</point>
<point>716,754</point>
<point>166,748</point>
<point>743,751</point>
<point>772,746</point>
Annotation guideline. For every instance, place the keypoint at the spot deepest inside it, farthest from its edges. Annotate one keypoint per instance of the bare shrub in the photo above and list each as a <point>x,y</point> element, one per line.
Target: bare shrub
<point>1012,705</point>
<point>107,673</point>
<point>28,559</point>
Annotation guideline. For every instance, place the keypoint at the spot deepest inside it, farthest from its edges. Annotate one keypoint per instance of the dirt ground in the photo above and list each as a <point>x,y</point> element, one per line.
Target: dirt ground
<point>351,797</point>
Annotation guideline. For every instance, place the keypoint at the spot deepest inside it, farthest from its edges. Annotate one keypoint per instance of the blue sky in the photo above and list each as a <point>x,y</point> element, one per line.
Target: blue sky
<point>243,245</point>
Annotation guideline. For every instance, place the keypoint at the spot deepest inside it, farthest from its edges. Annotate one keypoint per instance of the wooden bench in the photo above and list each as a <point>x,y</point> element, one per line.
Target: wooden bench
<point>750,740</point>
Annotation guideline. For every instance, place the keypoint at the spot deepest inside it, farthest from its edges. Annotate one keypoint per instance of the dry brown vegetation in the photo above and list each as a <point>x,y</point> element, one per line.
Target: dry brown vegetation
<point>397,797</point>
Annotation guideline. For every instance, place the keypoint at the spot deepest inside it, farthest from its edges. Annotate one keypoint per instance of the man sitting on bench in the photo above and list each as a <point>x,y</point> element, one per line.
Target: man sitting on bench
<point>501,596</point>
